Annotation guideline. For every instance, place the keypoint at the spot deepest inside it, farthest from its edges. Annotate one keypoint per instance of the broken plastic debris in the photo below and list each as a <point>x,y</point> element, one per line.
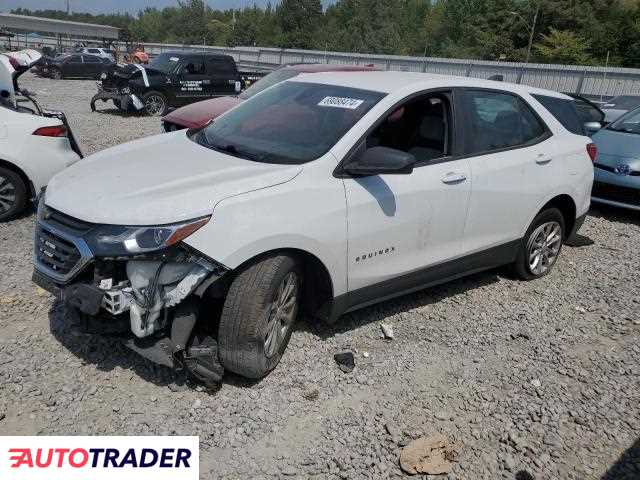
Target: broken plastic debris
<point>432,455</point>
<point>387,331</point>
<point>346,362</point>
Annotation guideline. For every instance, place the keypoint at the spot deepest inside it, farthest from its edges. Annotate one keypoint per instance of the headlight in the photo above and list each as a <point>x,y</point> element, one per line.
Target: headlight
<point>120,240</point>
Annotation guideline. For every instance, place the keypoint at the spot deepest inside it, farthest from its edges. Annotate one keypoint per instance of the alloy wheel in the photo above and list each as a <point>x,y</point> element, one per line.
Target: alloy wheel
<point>7,194</point>
<point>154,105</point>
<point>282,314</point>
<point>543,247</point>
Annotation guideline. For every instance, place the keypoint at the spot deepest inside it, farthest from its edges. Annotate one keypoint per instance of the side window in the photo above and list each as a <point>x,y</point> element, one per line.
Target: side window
<point>94,50</point>
<point>75,59</point>
<point>499,120</point>
<point>221,66</point>
<point>420,127</point>
<point>194,67</point>
<point>566,112</point>
<point>91,59</point>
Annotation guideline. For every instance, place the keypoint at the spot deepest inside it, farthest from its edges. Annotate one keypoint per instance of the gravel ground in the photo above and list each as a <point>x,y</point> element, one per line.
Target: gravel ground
<point>532,380</point>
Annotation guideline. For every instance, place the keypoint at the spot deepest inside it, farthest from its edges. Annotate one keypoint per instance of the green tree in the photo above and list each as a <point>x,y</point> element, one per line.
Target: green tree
<point>563,46</point>
<point>299,20</point>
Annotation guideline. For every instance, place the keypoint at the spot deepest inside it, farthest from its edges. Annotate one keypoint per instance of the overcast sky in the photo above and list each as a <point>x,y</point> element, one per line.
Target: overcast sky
<point>108,6</point>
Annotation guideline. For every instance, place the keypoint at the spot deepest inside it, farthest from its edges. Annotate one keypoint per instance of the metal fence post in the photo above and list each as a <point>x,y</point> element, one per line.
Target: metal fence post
<point>388,65</point>
<point>469,68</point>
<point>424,66</point>
<point>520,74</point>
<point>281,53</point>
<point>581,82</point>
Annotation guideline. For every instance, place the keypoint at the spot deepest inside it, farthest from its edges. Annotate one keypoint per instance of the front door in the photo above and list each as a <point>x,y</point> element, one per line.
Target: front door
<point>399,225</point>
<point>193,81</point>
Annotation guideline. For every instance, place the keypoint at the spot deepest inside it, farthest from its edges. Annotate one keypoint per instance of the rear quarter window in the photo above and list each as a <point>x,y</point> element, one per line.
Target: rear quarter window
<point>564,111</point>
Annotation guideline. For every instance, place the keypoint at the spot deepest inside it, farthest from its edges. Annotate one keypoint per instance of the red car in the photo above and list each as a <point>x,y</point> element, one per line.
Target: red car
<point>199,114</point>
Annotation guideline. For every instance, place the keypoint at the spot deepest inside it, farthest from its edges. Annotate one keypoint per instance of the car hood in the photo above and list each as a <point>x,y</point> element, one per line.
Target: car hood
<point>157,180</point>
<point>199,114</point>
<point>615,148</point>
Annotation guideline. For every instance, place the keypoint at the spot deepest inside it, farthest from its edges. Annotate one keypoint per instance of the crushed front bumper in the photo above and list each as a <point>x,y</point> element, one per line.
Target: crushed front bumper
<point>123,101</point>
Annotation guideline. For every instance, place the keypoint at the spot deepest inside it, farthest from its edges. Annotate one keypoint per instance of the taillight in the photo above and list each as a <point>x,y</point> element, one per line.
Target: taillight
<point>55,131</point>
<point>592,150</point>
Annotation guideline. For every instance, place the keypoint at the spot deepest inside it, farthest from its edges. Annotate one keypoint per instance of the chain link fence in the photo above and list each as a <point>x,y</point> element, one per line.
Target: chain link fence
<point>581,80</point>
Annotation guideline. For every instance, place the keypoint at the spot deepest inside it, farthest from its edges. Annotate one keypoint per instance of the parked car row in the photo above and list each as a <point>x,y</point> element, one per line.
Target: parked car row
<point>35,143</point>
<point>323,189</point>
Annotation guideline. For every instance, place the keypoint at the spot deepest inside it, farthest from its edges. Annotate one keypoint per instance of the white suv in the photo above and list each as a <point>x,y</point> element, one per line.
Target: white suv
<point>324,193</point>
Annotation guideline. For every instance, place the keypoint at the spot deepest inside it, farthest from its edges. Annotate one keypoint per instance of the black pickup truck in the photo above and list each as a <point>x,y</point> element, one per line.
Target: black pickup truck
<point>172,79</point>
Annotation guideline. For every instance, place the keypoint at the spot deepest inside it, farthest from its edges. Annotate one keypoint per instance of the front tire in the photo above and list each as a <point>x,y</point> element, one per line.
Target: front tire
<point>258,315</point>
<point>56,74</point>
<point>155,104</point>
<point>541,246</point>
<point>13,194</point>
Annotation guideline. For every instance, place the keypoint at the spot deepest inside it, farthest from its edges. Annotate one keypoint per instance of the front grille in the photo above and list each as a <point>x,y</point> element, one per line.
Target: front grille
<point>616,193</point>
<point>54,253</point>
<point>61,220</point>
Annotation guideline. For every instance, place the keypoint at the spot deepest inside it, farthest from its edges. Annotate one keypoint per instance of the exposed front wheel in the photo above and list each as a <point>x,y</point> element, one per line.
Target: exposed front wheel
<point>56,74</point>
<point>155,104</point>
<point>541,245</point>
<point>13,194</point>
<point>258,316</point>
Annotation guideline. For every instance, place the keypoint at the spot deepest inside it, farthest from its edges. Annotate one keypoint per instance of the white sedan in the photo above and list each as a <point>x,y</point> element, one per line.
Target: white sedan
<point>35,144</point>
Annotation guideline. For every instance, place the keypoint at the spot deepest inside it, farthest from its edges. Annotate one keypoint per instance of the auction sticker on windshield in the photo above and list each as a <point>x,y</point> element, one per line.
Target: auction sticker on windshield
<point>341,102</point>
<point>99,458</point>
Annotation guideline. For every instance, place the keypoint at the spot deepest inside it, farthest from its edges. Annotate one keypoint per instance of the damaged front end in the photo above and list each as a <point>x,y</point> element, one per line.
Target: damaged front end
<point>141,283</point>
<point>115,85</point>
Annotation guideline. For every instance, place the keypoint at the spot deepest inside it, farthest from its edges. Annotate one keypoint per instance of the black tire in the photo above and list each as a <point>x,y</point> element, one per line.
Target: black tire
<point>118,104</point>
<point>56,74</point>
<point>155,104</point>
<point>526,268</point>
<point>250,303</point>
<point>13,194</point>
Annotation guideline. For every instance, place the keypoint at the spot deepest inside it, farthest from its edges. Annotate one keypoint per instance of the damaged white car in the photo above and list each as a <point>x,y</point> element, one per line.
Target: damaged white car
<point>324,193</point>
<point>35,143</point>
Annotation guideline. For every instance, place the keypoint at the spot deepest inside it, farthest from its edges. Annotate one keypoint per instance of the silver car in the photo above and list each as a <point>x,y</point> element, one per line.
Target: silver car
<point>617,166</point>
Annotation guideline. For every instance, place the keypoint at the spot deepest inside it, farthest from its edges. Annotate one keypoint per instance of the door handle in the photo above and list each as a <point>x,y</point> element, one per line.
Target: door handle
<point>543,159</point>
<point>454,177</point>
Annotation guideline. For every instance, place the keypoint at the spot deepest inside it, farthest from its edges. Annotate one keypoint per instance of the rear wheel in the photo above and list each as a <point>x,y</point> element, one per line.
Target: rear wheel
<point>258,316</point>
<point>541,245</point>
<point>155,104</point>
<point>56,74</point>
<point>13,194</point>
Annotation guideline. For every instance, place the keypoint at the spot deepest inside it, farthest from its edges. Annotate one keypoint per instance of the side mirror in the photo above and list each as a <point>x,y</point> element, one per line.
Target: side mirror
<point>381,160</point>
<point>592,127</point>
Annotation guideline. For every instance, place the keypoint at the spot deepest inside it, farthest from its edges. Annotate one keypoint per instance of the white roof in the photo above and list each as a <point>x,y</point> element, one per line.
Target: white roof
<point>388,82</point>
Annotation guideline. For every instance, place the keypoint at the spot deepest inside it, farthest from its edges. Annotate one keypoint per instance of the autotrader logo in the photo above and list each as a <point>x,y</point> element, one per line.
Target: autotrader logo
<point>97,458</point>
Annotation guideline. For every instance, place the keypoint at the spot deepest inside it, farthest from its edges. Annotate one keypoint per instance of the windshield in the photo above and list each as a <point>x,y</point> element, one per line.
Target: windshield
<point>629,123</point>
<point>277,76</point>
<point>291,123</point>
<point>165,62</point>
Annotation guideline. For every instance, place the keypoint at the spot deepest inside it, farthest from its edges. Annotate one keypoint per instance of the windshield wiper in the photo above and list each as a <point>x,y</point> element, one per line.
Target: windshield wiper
<point>229,149</point>
<point>623,130</point>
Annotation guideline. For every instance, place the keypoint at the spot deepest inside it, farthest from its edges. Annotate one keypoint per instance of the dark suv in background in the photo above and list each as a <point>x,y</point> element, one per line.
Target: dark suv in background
<point>172,79</point>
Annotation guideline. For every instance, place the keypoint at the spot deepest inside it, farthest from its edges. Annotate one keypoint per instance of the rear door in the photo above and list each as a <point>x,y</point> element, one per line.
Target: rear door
<point>224,76</point>
<point>73,66</point>
<point>92,66</point>
<point>511,153</point>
